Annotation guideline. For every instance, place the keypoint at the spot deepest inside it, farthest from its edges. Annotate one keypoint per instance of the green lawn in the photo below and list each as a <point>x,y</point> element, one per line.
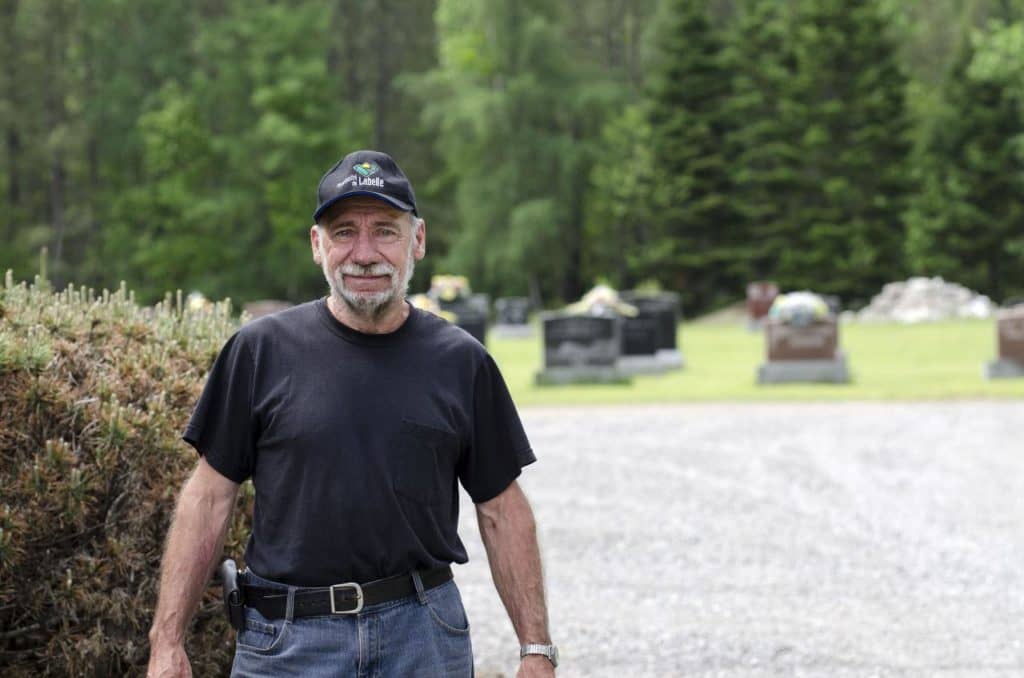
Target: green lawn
<point>888,362</point>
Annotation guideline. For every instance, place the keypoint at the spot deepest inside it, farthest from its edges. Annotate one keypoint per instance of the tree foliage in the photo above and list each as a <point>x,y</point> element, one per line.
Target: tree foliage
<point>849,100</point>
<point>701,143</point>
<point>697,245</point>
<point>763,142</point>
<point>968,224</point>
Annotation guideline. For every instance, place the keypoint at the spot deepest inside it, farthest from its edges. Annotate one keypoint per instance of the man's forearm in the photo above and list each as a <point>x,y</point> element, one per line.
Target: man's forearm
<point>194,543</point>
<point>509,534</point>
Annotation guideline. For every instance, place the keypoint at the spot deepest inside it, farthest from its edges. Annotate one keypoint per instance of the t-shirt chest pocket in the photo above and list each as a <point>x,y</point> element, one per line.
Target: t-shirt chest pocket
<point>424,461</point>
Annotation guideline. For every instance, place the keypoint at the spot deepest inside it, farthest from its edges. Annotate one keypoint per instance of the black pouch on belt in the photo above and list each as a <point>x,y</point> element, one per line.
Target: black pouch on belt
<point>234,605</point>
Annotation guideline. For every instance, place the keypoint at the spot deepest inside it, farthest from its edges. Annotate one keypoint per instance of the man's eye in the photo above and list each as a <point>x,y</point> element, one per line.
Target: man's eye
<point>387,234</point>
<point>343,233</point>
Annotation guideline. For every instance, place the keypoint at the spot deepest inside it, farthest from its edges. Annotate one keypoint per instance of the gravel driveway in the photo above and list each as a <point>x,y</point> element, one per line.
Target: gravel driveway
<point>772,540</point>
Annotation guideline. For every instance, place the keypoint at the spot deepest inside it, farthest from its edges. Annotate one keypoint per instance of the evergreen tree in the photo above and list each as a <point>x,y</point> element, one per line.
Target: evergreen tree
<point>619,215</point>
<point>967,223</point>
<point>504,102</point>
<point>763,142</point>
<point>849,96</point>
<point>697,246</point>
<point>231,155</point>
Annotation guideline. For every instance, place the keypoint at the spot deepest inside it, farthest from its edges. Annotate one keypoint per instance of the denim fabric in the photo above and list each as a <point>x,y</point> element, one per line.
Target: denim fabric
<point>425,635</point>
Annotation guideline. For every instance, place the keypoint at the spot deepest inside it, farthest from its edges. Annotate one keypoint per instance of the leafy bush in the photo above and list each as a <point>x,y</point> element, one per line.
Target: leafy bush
<point>94,393</point>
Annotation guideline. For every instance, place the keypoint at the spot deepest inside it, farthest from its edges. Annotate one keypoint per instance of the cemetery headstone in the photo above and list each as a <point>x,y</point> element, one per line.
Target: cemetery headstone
<point>469,311</point>
<point>468,315</point>
<point>760,295</point>
<point>649,339</point>
<point>581,349</point>
<point>802,342</point>
<point>512,317</point>
<point>1010,343</point>
<point>481,302</point>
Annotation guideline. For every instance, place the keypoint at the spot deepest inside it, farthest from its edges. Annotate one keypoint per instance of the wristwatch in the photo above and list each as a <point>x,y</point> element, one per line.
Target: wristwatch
<point>549,651</point>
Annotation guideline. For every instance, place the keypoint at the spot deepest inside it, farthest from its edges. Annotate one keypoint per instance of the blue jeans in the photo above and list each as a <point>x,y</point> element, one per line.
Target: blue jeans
<point>422,635</point>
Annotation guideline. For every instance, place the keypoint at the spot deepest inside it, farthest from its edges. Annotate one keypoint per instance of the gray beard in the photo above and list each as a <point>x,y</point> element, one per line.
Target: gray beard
<point>370,306</point>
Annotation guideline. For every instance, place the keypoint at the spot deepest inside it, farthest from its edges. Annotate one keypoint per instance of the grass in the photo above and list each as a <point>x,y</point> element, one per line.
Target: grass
<point>936,361</point>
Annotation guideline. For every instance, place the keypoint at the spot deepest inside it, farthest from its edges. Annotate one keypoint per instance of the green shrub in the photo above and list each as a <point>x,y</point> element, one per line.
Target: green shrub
<point>94,393</point>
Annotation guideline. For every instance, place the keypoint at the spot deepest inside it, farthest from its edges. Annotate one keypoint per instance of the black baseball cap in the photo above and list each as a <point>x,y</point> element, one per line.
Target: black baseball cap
<point>369,173</point>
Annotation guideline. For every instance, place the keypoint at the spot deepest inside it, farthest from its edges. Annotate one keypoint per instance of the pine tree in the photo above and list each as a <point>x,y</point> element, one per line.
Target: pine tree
<point>967,220</point>
<point>849,96</point>
<point>762,144</point>
<point>697,246</point>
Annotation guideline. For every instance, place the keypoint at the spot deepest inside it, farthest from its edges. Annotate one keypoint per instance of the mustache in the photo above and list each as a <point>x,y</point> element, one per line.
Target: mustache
<point>380,268</point>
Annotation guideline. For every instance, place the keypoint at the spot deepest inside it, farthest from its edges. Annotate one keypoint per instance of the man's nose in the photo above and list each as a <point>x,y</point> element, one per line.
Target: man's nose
<point>364,250</point>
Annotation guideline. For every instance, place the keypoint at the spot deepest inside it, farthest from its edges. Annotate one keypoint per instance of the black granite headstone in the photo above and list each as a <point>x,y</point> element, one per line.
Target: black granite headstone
<point>580,341</point>
<point>640,335</point>
<point>468,316</point>
<point>663,308</point>
<point>512,310</point>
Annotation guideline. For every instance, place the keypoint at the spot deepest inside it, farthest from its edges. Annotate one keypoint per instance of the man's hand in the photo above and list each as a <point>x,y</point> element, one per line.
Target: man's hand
<point>535,666</point>
<point>168,661</point>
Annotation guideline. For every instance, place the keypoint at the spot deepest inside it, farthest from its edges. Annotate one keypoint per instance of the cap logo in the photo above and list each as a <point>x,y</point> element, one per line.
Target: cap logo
<point>367,169</point>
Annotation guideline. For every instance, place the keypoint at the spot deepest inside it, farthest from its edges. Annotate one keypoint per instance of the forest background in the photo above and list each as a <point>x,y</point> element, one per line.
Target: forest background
<point>834,145</point>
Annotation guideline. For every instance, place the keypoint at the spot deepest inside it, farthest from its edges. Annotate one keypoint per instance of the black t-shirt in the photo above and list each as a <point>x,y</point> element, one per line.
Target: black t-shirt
<point>355,442</point>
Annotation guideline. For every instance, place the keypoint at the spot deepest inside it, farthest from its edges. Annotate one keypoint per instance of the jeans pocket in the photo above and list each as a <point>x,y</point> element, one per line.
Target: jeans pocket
<point>259,634</point>
<point>444,604</point>
<point>424,460</point>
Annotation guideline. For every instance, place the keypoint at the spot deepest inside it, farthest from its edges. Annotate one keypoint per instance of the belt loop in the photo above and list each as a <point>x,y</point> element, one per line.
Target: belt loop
<point>418,583</point>
<point>289,614</point>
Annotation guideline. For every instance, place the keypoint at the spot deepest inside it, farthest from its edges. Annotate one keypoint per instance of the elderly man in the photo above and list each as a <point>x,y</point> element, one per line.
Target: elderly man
<point>355,416</point>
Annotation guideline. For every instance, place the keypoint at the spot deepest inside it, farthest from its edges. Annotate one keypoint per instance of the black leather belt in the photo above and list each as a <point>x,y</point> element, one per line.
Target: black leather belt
<point>348,598</point>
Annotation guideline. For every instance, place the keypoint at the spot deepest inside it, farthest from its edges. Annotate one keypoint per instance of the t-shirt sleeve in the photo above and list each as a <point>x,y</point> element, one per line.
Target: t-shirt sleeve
<point>498,448</point>
<point>222,428</point>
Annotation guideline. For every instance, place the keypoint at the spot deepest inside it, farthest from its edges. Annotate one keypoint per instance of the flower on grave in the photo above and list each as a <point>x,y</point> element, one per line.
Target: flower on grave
<point>425,303</point>
<point>449,288</point>
<point>602,300</point>
<point>799,308</point>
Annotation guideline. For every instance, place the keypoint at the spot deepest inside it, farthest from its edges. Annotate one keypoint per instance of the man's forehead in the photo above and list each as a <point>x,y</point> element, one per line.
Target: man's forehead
<point>361,205</point>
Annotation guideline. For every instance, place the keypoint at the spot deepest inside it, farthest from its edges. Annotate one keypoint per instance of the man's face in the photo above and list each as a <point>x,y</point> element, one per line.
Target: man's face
<point>367,251</point>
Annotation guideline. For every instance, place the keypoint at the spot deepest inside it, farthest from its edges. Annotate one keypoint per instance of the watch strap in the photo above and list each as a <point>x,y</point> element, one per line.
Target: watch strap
<point>549,651</point>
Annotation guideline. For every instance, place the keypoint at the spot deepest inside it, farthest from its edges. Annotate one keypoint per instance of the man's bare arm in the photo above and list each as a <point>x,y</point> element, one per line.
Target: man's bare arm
<point>194,544</point>
<point>509,533</point>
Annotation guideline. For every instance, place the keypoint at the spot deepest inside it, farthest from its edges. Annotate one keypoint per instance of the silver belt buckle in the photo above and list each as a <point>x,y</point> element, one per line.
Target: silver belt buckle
<point>359,598</point>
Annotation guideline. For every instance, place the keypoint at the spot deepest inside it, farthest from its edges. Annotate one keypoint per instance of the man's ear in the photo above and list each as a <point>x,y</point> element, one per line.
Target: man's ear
<point>421,239</point>
<point>314,243</point>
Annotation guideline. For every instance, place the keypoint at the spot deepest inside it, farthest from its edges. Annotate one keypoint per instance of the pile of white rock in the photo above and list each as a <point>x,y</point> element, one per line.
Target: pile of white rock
<point>924,300</point>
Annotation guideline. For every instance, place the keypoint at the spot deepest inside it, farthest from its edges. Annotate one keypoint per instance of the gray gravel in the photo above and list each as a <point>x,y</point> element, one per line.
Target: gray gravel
<point>729,540</point>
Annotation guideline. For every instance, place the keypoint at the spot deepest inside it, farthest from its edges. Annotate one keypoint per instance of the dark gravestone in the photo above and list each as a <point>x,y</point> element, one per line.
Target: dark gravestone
<point>760,295</point>
<point>580,348</point>
<point>806,352</point>
<point>512,317</point>
<point>640,335</point>
<point>469,316</point>
<point>640,345</point>
<point>512,311</point>
<point>1010,341</point>
<point>482,303</point>
<point>653,331</point>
